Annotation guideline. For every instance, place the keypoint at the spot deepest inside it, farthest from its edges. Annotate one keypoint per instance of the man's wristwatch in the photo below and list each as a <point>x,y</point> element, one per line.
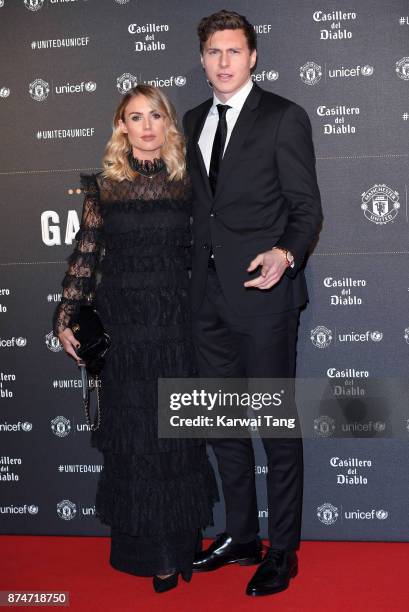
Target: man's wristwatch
<point>289,257</point>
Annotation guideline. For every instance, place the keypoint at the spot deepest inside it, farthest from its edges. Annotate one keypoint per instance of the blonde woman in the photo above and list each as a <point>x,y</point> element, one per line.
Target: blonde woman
<point>134,239</point>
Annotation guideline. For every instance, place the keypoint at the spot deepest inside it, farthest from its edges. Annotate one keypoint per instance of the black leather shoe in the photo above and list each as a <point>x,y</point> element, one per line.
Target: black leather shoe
<point>224,551</point>
<point>161,585</point>
<point>274,574</point>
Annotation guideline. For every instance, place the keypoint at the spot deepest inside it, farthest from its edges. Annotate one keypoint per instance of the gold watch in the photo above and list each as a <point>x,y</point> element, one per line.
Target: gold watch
<point>289,257</point>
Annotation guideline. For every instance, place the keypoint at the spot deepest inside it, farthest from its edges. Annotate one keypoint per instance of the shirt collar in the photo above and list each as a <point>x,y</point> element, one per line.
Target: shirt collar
<point>237,101</point>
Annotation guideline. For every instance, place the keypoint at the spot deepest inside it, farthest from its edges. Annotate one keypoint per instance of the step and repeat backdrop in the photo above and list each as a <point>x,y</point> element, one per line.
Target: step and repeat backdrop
<point>65,64</point>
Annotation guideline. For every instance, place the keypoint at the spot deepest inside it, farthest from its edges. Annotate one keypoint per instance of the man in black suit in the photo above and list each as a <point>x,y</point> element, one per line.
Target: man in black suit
<point>256,213</point>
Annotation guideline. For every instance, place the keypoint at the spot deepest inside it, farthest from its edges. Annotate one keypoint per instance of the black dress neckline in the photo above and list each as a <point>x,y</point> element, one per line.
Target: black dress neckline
<point>146,167</point>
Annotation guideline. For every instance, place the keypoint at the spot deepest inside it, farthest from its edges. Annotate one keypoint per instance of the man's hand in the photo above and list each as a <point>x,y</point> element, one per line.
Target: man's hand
<point>273,265</point>
<point>69,343</point>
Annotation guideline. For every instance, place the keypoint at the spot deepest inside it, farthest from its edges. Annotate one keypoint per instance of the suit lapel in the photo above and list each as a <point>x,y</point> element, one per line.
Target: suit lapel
<point>196,149</point>
<point>243,126</point>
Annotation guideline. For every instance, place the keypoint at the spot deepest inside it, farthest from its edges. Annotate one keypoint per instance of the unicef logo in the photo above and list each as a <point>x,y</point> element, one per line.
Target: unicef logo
<point>406,335</point>
<point>324,426</point>
<point>272,75</point>
<point>32,509</point>
<point>4,92</point>
<point>402,68</point>
<point>90,86</point>
<point>39,90</point>
<point>66,510</point>
<point>33,5</point>
<point>367,70</point>
<point>60,426</point>
<point>125,82</point>
<point>376,336</point>
<point>380,204</point>
<point>180,81</point>
<point>122,1</point>
<point>1,3</point>
<point>379,426</point>
<point>53,343</point>
<point>21,341</point>
<point>26,426</point>
<point>327,513</point>
<point>311,73</point>
<point>321,336</point>
<point>382,514</point>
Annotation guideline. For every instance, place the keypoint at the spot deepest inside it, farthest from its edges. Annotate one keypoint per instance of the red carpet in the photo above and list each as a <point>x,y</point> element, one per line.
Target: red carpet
<point>333,576</point>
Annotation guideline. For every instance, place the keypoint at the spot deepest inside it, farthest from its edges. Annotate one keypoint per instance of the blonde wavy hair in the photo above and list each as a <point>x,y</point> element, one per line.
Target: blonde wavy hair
<point>115,162</point>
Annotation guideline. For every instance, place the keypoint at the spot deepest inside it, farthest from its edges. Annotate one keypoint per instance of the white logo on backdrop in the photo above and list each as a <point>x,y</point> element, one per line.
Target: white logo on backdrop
<point>180,81</point>
<point>39,90</point>
<point>327,513</point>
<point>311,73</point>
<point>346,72</point>
<point>20,342</point>
<point>380,204</point>
<point>66,510</point>
<point>321,336</point>
<point>402,68</point>
<point>26,426</point>
<point>60,426</point>
<point>406,335</point>
<point>358,514</point>
<point>52,342</point>
<point>125,82</point>
<point>90,86</point>
<point>4,92</point>
<point>265,75</point>
<point>34,5</point>
<point>324,426</point>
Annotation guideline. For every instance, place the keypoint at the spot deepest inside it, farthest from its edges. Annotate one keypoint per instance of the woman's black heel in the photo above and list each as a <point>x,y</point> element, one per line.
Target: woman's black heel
<point>187,575</point>
<point>161,585</point>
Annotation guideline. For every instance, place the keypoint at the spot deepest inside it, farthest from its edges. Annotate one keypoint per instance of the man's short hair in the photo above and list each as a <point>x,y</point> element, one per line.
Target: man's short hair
<point>226,20</point>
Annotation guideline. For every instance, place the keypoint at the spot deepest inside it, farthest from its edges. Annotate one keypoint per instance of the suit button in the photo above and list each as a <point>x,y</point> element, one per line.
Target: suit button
<point>212,213</point>
<point>205,246</point>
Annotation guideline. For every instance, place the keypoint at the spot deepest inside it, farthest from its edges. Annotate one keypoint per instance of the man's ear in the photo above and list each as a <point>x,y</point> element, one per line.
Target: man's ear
<point>253,58</point>
<point>122,127</point>
<point>201,61</point>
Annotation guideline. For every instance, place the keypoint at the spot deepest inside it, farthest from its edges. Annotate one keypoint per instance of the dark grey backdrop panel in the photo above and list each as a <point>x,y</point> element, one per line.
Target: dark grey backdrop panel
<point>64,66</point>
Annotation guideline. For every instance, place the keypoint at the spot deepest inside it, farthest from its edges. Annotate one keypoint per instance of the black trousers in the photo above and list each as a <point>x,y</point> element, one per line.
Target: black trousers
<point>229,345</point>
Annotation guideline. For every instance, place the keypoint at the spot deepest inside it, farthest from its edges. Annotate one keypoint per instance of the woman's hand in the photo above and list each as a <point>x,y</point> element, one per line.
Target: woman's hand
<point>69,343</point>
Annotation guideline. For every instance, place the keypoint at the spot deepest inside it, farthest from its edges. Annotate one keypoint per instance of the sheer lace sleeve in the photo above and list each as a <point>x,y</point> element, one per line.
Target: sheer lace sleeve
<point>79,282</point>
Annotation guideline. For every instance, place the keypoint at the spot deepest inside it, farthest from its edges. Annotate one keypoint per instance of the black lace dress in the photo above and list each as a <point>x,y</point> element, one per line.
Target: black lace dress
<point>132,257</point>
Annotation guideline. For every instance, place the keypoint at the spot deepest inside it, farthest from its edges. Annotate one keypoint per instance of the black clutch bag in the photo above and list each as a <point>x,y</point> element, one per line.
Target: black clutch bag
<point>94,340</point>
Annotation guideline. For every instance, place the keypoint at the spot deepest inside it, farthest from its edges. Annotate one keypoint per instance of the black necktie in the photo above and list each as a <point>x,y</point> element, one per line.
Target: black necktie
<point>218,146</point>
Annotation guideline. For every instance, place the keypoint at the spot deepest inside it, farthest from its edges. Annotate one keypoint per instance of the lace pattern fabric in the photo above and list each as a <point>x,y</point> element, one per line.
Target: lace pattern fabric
<point>80,279</point>
<point>79,283</point>
<point>131,256</point>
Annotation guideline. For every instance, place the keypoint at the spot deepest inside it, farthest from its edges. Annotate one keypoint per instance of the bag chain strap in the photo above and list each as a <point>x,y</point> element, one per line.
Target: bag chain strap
<point>97,418</point>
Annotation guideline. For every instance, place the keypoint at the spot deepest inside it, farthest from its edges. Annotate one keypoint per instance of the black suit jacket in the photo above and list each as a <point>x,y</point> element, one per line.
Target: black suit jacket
<point>267,194</point>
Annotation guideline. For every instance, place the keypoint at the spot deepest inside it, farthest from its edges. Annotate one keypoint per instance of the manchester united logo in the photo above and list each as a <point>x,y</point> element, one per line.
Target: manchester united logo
<point>311,73</point>
<point>380,204</point>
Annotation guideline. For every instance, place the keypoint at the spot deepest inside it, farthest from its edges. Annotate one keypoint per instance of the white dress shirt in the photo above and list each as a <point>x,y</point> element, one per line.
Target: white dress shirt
<point>210,126</point>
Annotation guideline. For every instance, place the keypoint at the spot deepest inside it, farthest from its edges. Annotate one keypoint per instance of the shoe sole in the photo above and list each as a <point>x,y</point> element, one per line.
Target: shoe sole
<point>245,561</point>
<point>274,591</point>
